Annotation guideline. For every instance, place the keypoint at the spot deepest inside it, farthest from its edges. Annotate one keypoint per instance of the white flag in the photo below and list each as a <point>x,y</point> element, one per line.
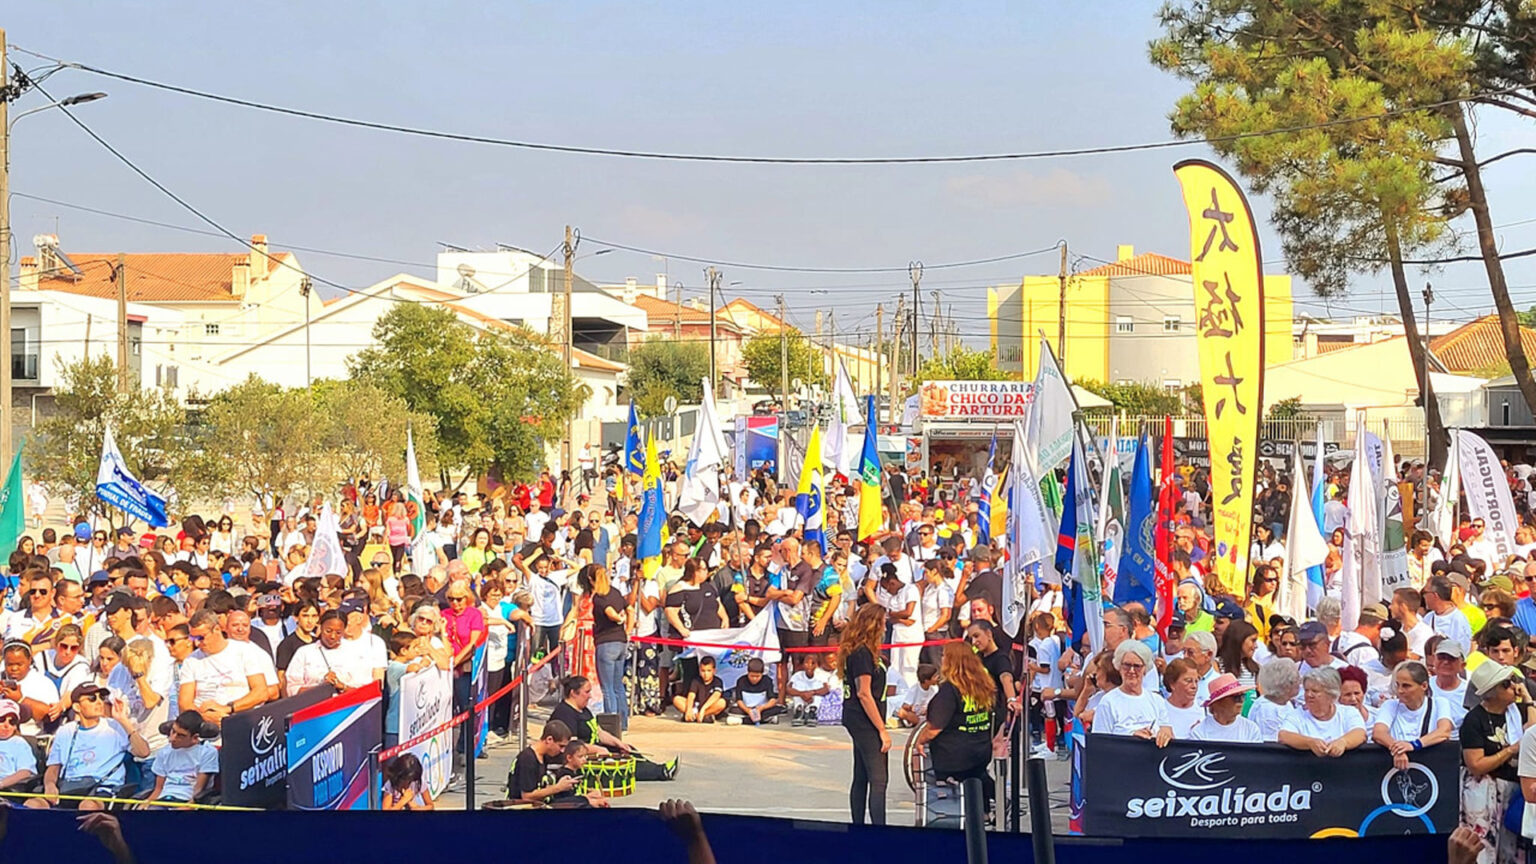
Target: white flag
<point>1027,536</point>
<point>1488,495</point>
<point>841,451</point>
<point>759,639</point>
<point>1362,543</point>
<point>1049,421</point>
<point>1444,507</point>
<point>325,555</point>
<point>699,496</point>
<point>1304,546</point>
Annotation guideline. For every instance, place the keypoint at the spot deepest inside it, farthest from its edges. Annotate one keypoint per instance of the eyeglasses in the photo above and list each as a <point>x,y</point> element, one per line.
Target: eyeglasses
<point>1287,643</point>
<point>91,697</point>
<point>11,719</point>
<point>1133,667</point>
<point>40,592</point>
<point>458,599</point>
<point>172,640</point>
<point>1495,606</point>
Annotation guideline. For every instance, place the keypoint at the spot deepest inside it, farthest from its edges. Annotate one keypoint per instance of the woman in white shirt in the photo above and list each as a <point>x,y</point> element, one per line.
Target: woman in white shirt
<point>1129,709</point>
<point>1415,719</point>
<point>327,661</point>
<point>1181,680</point>
<point>1226,722</point>
<point>1323,726</point>
<point>1279,682</point>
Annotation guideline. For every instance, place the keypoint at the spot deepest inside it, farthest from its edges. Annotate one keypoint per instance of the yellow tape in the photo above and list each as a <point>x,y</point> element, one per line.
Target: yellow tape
<point>181,805</point>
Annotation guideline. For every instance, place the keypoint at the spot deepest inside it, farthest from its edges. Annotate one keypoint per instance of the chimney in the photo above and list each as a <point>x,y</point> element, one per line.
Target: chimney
<point>1125,252</point>
<point>260,262</point>
<point>28,278</point>
<point>631,289</point>
<point>240,279</point>
<point>661,286</point>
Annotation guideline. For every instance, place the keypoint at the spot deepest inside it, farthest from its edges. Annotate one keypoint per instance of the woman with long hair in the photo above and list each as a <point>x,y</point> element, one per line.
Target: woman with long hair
<point>610,625</point>
<point>863,674</point>
<point>959,730</point>
<point>1235,653</point>
<point>479,551</point>
<point>397,533</point>
<point>223,539</point>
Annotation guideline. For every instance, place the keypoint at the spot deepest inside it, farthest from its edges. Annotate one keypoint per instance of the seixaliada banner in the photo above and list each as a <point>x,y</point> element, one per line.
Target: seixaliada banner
<point>1229,325</point>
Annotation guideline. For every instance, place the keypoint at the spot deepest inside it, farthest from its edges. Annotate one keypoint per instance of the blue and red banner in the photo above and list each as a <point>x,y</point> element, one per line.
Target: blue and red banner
<point>328,748</point>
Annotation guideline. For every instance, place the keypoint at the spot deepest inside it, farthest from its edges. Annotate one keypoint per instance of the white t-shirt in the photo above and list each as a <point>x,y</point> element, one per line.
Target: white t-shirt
<point>1417,635</point>
<point>36,686</point>
<point>1405,725</point>
<point>1184,719</point>
<point>1528,769</point>
<point>257,659</point>
<point>369,648</point>
<point>903,568</point>
<point>181,767</point>
<point>1120,713</point>
<point>547,610</point>
<point>1344,720</point>
<point>97,753</point>
<point>936,600</point>
<point>1047,653</point>
<point>1454,698</point>
<point>1241,730</point>
<point>898,602</point>
<point>220,678</point>
<point>311,663</point>
<point>645,622</point>
<point>535,521</point>
<point>1453,625</point>
<point>806,683</point>
<point>1269,717</point>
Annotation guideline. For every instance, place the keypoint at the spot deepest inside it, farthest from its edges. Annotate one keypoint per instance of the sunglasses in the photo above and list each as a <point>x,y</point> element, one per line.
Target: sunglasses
<point>458,599</point>
<point>39,592</point>
<point>91,697</point>
<point>11,719</point>
<point>68,646</point>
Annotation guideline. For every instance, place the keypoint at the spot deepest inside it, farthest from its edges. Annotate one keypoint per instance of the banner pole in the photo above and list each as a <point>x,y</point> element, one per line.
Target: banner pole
<point>375,793</point>
<point>973,800</point>
<point>524,635</point>
<point>470,753</point>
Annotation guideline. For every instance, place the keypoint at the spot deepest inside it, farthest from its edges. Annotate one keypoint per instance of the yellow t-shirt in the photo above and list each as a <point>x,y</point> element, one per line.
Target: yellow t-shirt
<point>1475,616</point>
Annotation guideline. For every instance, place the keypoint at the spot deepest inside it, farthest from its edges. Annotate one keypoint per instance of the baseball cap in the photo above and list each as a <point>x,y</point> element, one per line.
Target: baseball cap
<point>117,602</point>
<point>9,708</point>
<point>1310,631</point>
<point>349,606</point>
<point>99,576</point>
<point>86,689</point>
<point>82,531</point>
<point>1450,648</point>
<point>1176,619</point>
<point>1226,608</point>
<point>147,541</point>
<point>1375,611</point>
<point>125,532</point>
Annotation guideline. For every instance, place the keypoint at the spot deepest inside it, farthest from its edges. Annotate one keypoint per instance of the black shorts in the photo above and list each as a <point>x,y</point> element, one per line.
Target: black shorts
<point>794,638</point>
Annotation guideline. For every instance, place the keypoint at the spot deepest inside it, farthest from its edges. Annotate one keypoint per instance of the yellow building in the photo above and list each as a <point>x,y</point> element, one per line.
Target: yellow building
<point>1129,321</point>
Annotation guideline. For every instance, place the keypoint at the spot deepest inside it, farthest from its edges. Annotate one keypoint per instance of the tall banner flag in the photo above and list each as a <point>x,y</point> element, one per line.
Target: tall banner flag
<point>13,506</point>
<point>652,513</point>
<point>1083,601</point>
<point>1443,514</point>
<point>426,702</point>
<point>1487,490</point>
<point>1394,547</point>
<point>810,501</point>
<point>1049,421</point>
<point>1361,575</point>
<point>325,555</point>
<point>634,448</point>
<point>699,497</point>
<point>415,508</point>
<point>1111,517</point>
<point>840,454</point>
<point>1319,500</point>
<point>117,486</point>
<point>1227,272</point>
<point>1137,581</point>
<point>1305,548</point>
<point>871,521</point>
<point>988,490</point>
<point>1167,506</point>
<point>1027,533</point>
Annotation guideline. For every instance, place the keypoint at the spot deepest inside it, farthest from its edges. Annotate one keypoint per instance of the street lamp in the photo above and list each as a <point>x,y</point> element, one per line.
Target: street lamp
<point>6,122</point>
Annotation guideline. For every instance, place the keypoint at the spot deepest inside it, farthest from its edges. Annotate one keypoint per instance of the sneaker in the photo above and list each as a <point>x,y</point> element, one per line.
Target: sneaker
<point>810,716</point>
<point>709,719</point>
<point>1040,751</point>
<point>797,716</point>
<point>670,768</point>
<point>774,720</point>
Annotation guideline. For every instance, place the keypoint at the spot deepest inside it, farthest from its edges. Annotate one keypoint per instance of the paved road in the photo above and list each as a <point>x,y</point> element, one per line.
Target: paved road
<point>799,773</point>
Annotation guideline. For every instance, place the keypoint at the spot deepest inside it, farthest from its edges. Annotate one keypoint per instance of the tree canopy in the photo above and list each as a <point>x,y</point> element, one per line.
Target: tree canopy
<point>659,368</point>
<point>763,357</point>
<point>960,364</point>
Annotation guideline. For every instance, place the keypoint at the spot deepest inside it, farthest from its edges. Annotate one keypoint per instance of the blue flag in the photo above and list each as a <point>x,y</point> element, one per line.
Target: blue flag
<point>984,501</point>
<point>1138,575</point>
<point>117,486</point>
<point>634,450</point>
<point>1066,551</point>
<point>1319,493</point>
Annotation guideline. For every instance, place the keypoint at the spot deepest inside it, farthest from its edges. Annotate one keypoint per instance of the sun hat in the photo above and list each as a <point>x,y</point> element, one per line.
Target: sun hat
<point>1489,675</point>
<point>1223,686</point>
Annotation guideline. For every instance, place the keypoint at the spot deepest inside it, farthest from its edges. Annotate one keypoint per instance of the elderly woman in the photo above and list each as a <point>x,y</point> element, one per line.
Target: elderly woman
<point>1497,603</point>
<point>1490,750</point>
<point>1323,726</point>
<point>1129,709</point>
<point>1226,722</point>
<point>1279,682</point>
<point>1181,681</point>
<point>1414,720</point>
<point>1353,685</point>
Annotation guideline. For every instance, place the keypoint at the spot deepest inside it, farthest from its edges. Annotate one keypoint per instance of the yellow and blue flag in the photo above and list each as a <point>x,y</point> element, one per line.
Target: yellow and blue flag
<point>652,513</point>
<point>870,521</point>
<point>810,501</point>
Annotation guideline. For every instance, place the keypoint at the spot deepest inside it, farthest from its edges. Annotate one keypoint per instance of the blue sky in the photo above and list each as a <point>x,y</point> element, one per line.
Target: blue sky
<point>790,78</point>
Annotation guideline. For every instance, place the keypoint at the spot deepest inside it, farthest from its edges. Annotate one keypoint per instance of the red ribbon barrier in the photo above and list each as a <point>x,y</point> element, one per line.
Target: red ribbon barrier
<point>813,649</point>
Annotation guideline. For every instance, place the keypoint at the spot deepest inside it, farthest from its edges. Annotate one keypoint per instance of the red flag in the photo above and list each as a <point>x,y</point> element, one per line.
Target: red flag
<point>1167,506</point>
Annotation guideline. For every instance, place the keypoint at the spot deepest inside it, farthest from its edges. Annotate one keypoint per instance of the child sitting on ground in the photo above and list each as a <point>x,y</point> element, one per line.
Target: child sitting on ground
<point>910,708</point>
<point>807,688</point>
<point>575,759</point>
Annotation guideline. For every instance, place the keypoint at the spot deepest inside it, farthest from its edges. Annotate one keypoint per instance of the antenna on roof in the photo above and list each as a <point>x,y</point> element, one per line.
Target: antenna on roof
<point>451,247</point>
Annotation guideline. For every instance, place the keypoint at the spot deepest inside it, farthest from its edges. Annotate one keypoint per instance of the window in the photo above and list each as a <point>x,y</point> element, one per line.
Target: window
<point>23,361</point>
<point>1172,385</point>
<point>1170,323</point>
<point>210,329</point>
<point>1124,324</point>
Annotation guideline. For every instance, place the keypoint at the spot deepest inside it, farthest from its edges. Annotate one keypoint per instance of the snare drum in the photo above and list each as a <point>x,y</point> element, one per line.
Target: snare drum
<point>614,776</point>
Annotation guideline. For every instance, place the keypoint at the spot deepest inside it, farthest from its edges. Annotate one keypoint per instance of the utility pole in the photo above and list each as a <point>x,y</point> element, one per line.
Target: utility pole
<point>879,354</point>
<point>1061,311</point>
<point>896,336</point>
<point>915,271</point>
<point>935,324</point>
<point>122,323</point>
<point>564,318</point>
<point>712,276</point>
<point>832,344</point>
<point>5,256</point>
<point>304,286</point>
<point>783,356</point>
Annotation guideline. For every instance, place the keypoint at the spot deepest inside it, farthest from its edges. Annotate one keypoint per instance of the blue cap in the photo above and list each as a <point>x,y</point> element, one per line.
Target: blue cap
<point>82,531</point>
<point>98,576</point>
<point>1227,608</point>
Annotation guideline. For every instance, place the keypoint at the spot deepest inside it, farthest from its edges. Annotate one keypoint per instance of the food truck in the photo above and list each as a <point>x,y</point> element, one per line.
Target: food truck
<point>955,423</point>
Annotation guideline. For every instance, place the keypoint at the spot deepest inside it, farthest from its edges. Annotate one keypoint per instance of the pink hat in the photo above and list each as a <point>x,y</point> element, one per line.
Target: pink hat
<point>7,707</point>
<point>1223,686</point>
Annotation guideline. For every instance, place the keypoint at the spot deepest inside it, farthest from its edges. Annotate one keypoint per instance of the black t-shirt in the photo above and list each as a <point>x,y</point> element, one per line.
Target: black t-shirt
<point>604,629</point>
<point>861,662</point>
<point>701,606</point>
<point>291,643</point>
<point>999,664</point>
<point>965,732</point>
<point>763,687</point>
<point>582,724</point>
<point>529,774</point>
<point>988,584</point>
<point>701,690</point>
<point>1483,731</point>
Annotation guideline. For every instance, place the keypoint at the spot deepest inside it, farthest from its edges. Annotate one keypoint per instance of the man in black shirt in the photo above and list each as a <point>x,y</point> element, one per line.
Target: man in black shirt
<point>984,582</point>
<point>705,699</point>
<point>754,698</point>
<point>530,778</point>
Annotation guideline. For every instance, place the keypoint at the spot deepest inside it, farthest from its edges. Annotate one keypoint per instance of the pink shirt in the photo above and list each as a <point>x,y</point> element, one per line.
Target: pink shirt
<point>461,624</point>
<point>399,530</point>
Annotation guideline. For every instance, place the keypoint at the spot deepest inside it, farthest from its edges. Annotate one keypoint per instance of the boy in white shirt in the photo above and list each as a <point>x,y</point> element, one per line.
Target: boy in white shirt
<point>910,707</point>
<point>806,688</point>
<point>186,766</point>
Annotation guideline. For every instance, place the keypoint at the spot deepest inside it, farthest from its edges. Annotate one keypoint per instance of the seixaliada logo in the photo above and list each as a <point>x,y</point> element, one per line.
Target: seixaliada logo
<point>1209,790</point>
<point>1196,771</point>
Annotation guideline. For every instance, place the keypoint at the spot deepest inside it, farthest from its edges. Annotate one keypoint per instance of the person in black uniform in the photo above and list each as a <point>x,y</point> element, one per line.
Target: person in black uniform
<point>754,698</point>
<point>863,673</point>
<point>572,711</point>
<point>530,779</point>
<point>983,637</point>
<point>959,730</point>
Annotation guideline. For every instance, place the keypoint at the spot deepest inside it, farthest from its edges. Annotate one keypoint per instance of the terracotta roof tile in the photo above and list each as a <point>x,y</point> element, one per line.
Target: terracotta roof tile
<point>665,312</point>
<point>1145,264</point>
<point>1478,345</point>
<point>167,277</point>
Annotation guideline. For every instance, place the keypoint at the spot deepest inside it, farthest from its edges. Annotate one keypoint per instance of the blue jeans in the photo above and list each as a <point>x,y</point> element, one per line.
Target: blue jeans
<point>610,677</point>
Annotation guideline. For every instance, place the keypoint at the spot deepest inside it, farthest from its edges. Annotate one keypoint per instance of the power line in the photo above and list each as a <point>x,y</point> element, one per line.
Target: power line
<point>794,269</point>
<point>761,160</point>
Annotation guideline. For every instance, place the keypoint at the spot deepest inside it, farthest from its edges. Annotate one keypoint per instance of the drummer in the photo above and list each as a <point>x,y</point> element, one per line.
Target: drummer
<point>573,713</point>
<point>574,761</point>
<point>531,780</point>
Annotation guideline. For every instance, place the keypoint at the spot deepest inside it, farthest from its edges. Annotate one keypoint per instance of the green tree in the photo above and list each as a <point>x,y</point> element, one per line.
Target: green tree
<point>659,368</point>
<point>266,440</point>
<point>1137,398</point>
<point>1286,409</point>
<point>960,364</point>
<point>763,356</point>
<point>1527,319</point>
<point>150,428</point>
<point>1351,197</point>
<point>365,431</point>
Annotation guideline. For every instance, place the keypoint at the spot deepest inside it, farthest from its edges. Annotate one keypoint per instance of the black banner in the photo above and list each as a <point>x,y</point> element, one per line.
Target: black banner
<point>253,762</point>
<point>1264,791</point>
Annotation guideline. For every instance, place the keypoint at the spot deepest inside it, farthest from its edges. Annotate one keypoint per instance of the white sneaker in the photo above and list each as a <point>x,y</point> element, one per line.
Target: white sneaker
<point>1040,751</point>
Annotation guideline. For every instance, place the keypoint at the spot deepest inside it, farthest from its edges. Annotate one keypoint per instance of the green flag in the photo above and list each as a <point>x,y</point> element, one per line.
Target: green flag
<point>13,506</point>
